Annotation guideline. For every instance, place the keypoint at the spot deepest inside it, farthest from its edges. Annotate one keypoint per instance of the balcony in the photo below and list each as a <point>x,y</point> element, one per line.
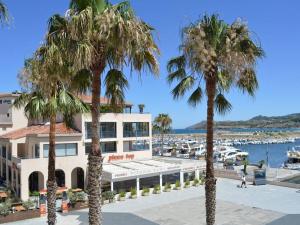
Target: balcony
<point>136,129</point>
<point>107,130</point>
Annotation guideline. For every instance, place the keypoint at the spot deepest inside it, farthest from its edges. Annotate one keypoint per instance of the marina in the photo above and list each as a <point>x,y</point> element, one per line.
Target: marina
<point>273,151</point>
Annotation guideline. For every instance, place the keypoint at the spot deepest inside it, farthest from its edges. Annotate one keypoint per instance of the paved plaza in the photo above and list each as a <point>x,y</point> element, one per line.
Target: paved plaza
<point>256,205</point>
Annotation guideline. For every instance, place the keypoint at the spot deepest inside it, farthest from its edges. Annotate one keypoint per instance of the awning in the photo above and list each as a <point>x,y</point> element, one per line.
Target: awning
<point>118,171</point>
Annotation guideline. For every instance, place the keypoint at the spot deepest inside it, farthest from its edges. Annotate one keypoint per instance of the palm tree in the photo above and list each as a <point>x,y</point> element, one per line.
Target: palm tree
<point>52,84</point>
<point>215,56</point>
<point>106,37</point>
<point>4,17</point>
<point>162,123</point>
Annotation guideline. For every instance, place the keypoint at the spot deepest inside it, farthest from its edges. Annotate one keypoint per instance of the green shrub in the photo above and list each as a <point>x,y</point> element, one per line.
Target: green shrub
<point>187,183</point>
<point>133,192</point>
<point>72,197</point>
<point>167,186</point>
<point>80,196</point>
<point>195,182</point>
<point>157,187</point>
<point>122,194</point>
<point>5,208</point>
<point>177,184</point>
<point>146,190</point>
<point>28,205</point>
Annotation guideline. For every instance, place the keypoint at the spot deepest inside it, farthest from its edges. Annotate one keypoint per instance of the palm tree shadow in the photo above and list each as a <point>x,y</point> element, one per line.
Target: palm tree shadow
<point>110,218</point>
<point>292,219</point>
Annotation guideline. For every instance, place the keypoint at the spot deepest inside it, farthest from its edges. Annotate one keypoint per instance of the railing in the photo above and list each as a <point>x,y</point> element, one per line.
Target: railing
<point>136,133</point>
<point>103,134</point>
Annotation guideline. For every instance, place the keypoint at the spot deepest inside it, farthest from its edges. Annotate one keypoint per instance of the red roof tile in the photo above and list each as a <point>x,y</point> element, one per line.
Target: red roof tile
<point>61,128</point>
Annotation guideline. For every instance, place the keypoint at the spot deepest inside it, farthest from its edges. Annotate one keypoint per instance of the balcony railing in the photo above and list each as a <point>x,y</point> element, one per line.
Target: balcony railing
<point>136,133</point>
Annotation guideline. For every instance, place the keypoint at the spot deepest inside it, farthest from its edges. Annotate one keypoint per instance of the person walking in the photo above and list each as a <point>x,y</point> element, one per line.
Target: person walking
<point>244,181</point>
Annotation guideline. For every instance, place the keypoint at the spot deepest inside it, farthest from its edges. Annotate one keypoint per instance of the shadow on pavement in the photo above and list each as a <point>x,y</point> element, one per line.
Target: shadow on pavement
<point>114,219</point>
<point>292,219</point>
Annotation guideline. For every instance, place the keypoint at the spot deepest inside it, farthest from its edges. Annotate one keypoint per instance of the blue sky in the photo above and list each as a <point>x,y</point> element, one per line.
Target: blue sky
<point>276,23</point>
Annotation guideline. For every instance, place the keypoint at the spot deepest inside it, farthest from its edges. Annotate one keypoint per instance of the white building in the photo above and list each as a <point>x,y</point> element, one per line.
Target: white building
<point>125,143</point>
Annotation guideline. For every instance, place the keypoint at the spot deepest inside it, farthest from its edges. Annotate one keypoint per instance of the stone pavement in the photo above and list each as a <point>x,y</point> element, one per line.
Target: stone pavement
<point>256,205</point>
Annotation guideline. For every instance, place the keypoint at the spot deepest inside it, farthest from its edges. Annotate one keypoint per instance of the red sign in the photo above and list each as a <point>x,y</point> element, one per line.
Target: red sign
<point>42,209</point>
<point>120,157</point>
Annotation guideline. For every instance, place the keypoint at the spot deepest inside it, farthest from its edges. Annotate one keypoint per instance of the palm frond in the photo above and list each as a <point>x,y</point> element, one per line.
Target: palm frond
<point>4,16</point>
<point>247,81</point>
<point>195,97</point>
<point>183,86</point>
<point>222,105</point>
<point>82,81</point>
<point>116,85</point>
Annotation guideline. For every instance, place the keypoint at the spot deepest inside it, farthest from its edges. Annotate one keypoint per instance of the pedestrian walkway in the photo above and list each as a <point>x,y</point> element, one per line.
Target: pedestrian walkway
<point>254,205</point>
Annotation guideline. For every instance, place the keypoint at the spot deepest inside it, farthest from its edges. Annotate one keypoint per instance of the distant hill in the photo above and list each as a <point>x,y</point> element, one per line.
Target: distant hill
<point>288,121</point>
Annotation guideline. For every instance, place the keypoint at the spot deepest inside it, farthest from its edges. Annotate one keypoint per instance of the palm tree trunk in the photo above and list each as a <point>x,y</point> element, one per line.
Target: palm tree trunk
<point>95,156</point>
<point>210,182</point>
<point>51,183</point>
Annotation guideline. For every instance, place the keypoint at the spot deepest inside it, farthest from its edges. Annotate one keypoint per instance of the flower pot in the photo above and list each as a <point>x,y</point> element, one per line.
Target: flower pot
<point>145,193</point>
<point>121,198</point>
<point>105,202</point>
<point>133,196</point>
<point>157,192</point>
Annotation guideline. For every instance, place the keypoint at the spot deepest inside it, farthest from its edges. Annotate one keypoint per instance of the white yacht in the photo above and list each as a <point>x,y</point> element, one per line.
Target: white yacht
<point>224,153</point>
<point>293,161</point>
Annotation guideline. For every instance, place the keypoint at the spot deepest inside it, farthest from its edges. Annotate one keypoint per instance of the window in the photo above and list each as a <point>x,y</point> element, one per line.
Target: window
<point>61,149</point>
<point>4,170</point>
<point>9,153</point>
<point>36,151</point>
<point>142,145</point>
<point>106,147</point>
<point>4,152</point>
<point>136,129</point>
<point>107,130</point>
<point>1,101</point>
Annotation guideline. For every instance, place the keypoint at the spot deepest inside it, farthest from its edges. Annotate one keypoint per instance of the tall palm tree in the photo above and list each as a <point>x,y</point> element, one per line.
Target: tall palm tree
<point>53,86</point>
<point>162,124</point>
<point>106,37</point>
<point>215,56</point>
<point>4,17</point>
<point>39,106</point>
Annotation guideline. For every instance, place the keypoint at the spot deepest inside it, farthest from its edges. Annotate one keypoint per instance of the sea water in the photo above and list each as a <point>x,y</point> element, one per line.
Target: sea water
<point>275,154</point>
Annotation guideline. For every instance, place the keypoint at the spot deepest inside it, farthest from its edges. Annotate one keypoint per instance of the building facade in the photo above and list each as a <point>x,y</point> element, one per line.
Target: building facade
<point>24,146</point>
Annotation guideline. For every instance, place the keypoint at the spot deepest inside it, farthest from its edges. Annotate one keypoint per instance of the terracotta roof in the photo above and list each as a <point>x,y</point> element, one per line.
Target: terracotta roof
<point>103,100</point>
<point>38,129</point>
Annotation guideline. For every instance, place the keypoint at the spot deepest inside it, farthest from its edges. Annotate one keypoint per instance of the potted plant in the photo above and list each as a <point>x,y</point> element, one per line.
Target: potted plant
<point>187,184</point>
<point>133,193</point>
<point>122,195</point>
<point>80,196</point>
<point>141,108</point>
<point>105,199</point>
<point>146,191</point>
<point>156,189</point>
<point>196,182</point>
<point>111,196</point>
<point>5,208</point>
<point>73,199</point>
<point>177,185</point>
<point>167,187</point>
